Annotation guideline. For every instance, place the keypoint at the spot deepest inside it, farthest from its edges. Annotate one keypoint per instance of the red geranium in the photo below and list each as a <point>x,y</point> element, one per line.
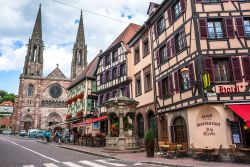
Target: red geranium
<point>68,117</point>
<point>79,114</point>
<point>80,96</point>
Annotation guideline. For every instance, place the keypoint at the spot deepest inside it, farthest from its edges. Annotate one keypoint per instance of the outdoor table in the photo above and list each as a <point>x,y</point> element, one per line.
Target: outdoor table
<point>163,146</point>
<point>207,151</point>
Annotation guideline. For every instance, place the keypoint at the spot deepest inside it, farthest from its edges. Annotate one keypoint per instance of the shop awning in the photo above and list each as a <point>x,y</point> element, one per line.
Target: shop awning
<point>89,121</point>
<point>242,110</point>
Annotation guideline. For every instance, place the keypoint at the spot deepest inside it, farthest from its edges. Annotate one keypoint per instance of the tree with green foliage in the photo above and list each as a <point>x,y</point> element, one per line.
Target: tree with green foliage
<point>5,96</point>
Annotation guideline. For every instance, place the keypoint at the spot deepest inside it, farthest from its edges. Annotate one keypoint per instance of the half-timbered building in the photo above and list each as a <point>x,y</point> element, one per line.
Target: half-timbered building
<point>201,68</point>
<point>114,70</point>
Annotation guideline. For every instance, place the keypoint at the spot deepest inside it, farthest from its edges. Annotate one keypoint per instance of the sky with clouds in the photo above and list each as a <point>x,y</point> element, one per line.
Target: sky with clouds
<point>60,23</point>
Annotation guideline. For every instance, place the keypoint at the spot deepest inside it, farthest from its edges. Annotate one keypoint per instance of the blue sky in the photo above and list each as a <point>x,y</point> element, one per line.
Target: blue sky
<point>60,23</point>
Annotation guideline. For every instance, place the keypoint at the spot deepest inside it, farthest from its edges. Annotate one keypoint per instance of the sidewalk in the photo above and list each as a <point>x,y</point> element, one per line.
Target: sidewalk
<point>141,157</point>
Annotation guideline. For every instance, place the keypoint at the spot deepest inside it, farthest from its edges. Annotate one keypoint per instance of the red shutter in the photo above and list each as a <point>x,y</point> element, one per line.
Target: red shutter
<point>110,74</point>
<point>246,67</point>
<point>158,58</point>
<point>104,77</point>
<point>173,46</point>
<point>183,5</point>
<point>229,27</point>
<point>176,80</point>
<point>235,62</point>
<point>170,85</point>
<point>118,70</point>
<point>169,48</point>
<point>198,1</point>
<point>191,73</point>
<point>240,27</point>
<point>169,15</point>
<point>203,28</point>
<point>208,66</point>
<point>160,89</point>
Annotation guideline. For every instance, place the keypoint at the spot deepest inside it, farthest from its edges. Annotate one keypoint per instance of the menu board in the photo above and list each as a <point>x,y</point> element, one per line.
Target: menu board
<point>236,133</point>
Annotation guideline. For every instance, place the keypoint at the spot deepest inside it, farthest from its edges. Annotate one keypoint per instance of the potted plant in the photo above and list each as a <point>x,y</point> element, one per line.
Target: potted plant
<point>149,143</point>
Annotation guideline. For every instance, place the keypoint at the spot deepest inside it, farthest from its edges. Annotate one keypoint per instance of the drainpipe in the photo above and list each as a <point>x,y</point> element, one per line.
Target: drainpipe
<point>154,85</point>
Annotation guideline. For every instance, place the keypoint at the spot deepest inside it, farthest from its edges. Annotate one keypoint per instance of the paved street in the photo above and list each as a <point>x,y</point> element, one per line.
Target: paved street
<point>16,152</point>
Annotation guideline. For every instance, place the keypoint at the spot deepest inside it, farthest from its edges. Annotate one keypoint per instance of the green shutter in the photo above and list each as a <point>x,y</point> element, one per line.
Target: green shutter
<point>89,104</point>
<point>83,105</point>
<point>94,86</point>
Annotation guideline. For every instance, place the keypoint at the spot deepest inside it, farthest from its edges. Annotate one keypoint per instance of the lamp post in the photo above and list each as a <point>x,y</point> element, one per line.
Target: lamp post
<point>186,78</point>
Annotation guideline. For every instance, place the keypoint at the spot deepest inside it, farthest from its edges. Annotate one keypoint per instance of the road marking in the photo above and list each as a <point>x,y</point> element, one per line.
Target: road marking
<point>70,164</point>
<point>30,150</point>
<point>110,163</point>
<point>91,164</point>
<point>50,165</point>
<point>28,166</point>
<point>137,164</point>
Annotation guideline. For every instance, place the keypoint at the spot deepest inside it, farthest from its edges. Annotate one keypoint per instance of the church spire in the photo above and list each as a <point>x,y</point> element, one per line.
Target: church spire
<point>80,38</point>
<point>79,58</point>
<point>33,65</point>
<point>37,31</point>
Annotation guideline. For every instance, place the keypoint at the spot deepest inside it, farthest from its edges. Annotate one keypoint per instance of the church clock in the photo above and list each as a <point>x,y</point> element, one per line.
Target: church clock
<point>55,90</point>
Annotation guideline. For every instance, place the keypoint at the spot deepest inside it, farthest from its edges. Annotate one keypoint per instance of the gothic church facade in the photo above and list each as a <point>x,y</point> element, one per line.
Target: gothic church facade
<point>41,100</point>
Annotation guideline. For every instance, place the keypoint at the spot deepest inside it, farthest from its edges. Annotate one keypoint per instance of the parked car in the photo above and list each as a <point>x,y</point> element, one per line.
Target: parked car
<point>40,134</point>
<point>23,133</point>
<point>32,133</point>
<point>7,132</point>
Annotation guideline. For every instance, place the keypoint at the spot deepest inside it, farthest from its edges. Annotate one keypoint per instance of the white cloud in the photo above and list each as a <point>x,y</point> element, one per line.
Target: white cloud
<point>59,29</point>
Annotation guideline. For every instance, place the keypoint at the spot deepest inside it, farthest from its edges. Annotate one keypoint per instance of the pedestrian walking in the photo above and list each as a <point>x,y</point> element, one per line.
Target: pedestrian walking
<point>47,135</point>
<point>59,134</point>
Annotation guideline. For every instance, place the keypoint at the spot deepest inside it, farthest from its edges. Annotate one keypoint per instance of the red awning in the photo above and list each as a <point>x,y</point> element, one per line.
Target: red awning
<point>89,121</point>
<point>99,118</point>
<point>242,110</point>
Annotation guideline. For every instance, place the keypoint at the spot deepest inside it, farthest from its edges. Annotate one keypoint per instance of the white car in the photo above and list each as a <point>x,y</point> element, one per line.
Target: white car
<point>6,132</point>
<point>23,133</point>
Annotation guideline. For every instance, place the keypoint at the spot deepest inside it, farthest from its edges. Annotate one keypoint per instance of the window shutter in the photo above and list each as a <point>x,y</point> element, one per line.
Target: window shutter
<point>183,5</point>
<point>104,61</point>
<point>170,85</point>
<point>104,98</point>
<point>160,89</point>
<point>203,28</point>
<point>158,58</point>
<point>104,76</point>
<point>198,1</point>
<point>191,73</point>
<point>127,91</point>
<point>240,27</point>
<point>176,80</point>
<point>170,19</point>
<point>173,46</point>
<point>237,75</point>
<point>89,105</point>
<point>208,66</point>
<point>110,74</point>
<point>169,48</point>
<point>118,70</point>
<point>246,67</point>
<point>229,27</point>
<point>155,30</point>
<point>99,101</point>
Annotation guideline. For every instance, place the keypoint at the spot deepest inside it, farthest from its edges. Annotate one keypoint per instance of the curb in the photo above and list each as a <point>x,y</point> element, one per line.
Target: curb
<point>163,164</point>
<point>81,151</point>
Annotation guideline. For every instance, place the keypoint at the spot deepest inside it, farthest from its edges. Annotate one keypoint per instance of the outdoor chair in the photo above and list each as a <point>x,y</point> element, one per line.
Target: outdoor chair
<point>235,156</point>
<point>196,154</point>
<point>215,156</point>
<point>171,153</point>
<point>160,144</point>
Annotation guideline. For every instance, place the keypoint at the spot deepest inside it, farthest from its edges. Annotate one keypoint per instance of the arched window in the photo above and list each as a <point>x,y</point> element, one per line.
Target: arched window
<point>140,126</point>
<point>79,57</point>
<point>34,53</point>
<point>179,131</point>
<point>152,123</point>
<point>30,90</point>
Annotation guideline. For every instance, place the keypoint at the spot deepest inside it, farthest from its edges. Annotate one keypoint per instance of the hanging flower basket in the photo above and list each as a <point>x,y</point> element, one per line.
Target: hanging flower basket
<point>68,117</point>
<point>80,96</point>
<point>79,114</point>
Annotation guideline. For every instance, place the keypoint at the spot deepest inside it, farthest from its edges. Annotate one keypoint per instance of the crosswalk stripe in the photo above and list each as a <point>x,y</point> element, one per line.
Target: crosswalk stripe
<point>110,163</point>
<point>91,164</point>
<point>70,164</point>
<point>50,165</point>
<point>28,166</point>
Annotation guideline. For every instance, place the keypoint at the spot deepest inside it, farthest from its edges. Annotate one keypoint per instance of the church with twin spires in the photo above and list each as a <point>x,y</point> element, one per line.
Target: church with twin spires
<point>41,100</point>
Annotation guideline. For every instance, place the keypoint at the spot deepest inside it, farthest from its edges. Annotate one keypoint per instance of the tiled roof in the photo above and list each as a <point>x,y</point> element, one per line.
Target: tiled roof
<point>89,72</point>
<point>7,103</point>
<point>126,35</point>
